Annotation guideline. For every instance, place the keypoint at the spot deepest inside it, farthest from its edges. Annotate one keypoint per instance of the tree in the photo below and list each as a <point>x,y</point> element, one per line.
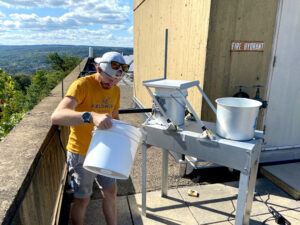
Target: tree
<point>11,104</point>
<point>57,63</point>
<point>70,62</point>
<point>53,77</point>
<point>37,90</point>
<point>62,63</point>
<point>7,86</point>
<point>19,94</point>
<point>22,82</point>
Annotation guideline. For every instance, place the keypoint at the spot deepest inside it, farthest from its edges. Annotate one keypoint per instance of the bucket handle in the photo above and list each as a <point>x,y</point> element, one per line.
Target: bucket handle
<point>114,121</point>
<point>207,99</point>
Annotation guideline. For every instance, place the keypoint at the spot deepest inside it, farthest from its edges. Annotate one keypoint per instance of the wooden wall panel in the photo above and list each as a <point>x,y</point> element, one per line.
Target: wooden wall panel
<point>232,20</point>
<point>187,22</point>
<point>200,37</point>
<point>149,28</point>
<point>137,3</point>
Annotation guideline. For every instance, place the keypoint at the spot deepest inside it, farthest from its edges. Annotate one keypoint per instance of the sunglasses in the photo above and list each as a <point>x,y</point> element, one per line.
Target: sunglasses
<point>115,66</point>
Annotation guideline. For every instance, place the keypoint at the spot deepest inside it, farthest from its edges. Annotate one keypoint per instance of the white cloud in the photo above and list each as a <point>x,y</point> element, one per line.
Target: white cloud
<point>35,22</point>
<point>114,26</point>
<point>68,37</point>
<point>2,15</point>
<point>24,17</point>
<point>8,24</point>
<point>82,22</point>
<point>130,29</point>
<point>104,5</point>
<point>111,37</point>
<point>103,14</point>
<point>32,3</point>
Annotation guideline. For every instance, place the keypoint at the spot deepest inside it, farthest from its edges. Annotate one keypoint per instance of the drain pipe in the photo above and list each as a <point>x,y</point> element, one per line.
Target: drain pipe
<point>166,54</point>
<point>281,147</point>
<point>272,150</point>
<point>279,162</point>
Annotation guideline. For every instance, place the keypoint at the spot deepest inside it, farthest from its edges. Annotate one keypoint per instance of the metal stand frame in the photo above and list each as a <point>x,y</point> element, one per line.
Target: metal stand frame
<point>242,156</point>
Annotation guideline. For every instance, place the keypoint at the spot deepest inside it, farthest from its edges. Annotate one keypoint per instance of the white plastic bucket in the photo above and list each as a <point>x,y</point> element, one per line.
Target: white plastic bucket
<point>112,151</point>
<point>236,118</point>
<point>172,103</point>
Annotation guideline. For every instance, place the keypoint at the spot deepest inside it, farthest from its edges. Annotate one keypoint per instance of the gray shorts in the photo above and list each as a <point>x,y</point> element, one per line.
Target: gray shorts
<point>84,179</point>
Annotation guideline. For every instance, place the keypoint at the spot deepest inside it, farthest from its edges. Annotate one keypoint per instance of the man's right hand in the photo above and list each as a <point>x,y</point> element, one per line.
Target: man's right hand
<point>101,121</point>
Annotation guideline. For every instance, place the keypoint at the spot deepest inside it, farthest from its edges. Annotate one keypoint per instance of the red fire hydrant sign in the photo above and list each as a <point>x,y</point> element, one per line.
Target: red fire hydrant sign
<point>247,46</point>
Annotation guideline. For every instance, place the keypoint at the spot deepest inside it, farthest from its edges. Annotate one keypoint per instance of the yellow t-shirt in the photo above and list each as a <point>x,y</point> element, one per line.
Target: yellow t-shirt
<point>90,97</point>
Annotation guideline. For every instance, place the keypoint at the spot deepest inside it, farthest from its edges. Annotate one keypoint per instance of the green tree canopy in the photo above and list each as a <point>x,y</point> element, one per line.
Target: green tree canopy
<point>7,86</point>
<point>22,82</point>
<point>19,94</point>
<point>11,104</point>
<point>57,63</point>
<point>63,63</point>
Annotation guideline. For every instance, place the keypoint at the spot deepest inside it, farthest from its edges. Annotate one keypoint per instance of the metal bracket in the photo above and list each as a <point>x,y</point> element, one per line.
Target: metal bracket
<point>170,125</point>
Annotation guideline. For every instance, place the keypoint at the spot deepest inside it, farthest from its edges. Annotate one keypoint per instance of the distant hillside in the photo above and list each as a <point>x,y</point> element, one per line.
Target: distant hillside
<point>26,59</point>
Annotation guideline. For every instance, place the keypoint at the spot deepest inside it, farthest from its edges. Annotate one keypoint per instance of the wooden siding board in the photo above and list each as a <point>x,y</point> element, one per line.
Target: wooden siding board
<point>149,44</point>
<point>187,23</point>
<point>238,20</point>
<point>137,3</point>
<point>200,37</point>
<point>255,22</point>
<point>217,68</point>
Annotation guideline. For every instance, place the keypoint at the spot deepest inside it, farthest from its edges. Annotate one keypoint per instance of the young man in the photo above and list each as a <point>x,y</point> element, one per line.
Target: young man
<point>91,101</point>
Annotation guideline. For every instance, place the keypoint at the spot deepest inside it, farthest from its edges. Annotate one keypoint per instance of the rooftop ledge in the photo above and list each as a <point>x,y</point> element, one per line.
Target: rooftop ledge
<point>23,148</point>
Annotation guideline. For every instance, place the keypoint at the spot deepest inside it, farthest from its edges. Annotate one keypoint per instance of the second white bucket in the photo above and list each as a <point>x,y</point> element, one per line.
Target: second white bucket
<point>112,151</point>
<point>236,118</point>
<point>172,103</point>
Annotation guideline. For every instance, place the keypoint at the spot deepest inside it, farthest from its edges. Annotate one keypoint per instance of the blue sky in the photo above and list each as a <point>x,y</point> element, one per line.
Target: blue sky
<point>72,22</point>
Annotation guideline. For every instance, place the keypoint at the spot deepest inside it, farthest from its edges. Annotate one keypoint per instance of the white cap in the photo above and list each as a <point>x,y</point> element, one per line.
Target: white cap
<point>104,62</point>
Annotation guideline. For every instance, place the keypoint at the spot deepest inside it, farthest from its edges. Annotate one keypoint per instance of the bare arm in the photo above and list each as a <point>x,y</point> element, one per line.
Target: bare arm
<point>66,115</point>
<point>115,114</point>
